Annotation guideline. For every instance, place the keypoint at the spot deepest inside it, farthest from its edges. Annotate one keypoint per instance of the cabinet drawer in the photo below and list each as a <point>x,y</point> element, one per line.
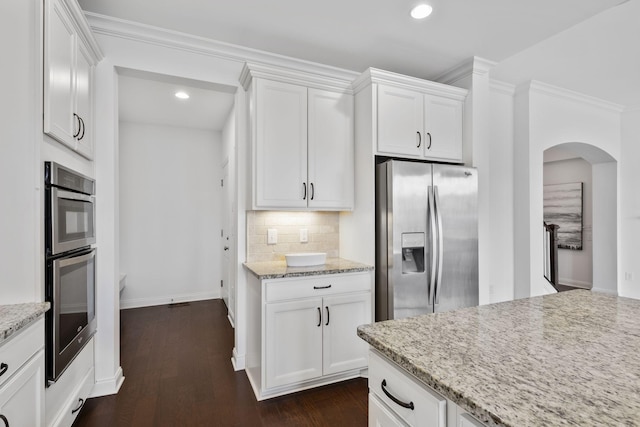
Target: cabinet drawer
<point>75,404</point>
<point>304,287</point>
<point>19,349</point>
<point>429,408</point>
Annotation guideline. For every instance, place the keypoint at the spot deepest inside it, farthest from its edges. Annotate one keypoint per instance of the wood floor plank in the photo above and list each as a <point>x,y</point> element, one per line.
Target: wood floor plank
<point>178,372</point>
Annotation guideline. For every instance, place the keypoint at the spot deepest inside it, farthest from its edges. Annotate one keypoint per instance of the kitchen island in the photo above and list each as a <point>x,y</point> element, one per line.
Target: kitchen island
<point>571,358</point>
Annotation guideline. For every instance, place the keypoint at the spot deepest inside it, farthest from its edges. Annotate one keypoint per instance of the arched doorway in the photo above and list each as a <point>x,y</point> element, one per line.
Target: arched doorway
<point>594,265</point>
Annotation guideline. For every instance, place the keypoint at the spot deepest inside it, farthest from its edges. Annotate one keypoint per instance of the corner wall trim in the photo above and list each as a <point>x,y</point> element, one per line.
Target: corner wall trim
<point>108,386</point>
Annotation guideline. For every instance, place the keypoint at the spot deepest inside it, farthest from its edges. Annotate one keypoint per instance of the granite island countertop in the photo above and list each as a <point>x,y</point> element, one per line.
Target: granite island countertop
<point>571,358</point>
<point>279,269</point>
<point>14,317</point>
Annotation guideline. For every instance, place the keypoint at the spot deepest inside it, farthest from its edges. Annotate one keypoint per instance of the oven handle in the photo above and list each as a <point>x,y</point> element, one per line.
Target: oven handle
<point>62,194</point>
<point>65,262</point>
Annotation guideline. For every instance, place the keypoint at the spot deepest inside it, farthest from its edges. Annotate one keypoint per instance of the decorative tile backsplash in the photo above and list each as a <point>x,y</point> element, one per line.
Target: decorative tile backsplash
<point>323,230</point>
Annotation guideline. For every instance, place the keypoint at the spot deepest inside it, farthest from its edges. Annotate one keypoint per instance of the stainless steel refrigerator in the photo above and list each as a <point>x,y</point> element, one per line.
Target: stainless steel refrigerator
<point>426,238</point>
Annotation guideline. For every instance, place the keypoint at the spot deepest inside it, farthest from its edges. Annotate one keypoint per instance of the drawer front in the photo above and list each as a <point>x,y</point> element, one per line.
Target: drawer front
<point>80,396</point>
<point>388,382</point>
<point>19,349</point>
<point>380,416</point>
<point>313,286</point>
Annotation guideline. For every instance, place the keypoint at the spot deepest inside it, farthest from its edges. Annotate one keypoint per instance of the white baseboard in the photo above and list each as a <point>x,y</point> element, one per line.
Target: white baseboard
<point>169,299</point>
<point>108,386</point>
<point>237,361</point>
<point>574,283</point>
<point>230,318</point>
<point>605,291</point>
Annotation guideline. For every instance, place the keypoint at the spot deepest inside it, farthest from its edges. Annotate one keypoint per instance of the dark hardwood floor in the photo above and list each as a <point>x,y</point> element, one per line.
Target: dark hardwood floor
<point>177,366</point>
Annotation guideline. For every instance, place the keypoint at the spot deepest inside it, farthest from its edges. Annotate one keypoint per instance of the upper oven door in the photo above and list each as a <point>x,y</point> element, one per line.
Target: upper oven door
<point>72,220</point>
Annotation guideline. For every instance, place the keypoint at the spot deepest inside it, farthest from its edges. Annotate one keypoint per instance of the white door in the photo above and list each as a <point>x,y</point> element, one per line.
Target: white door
<point>443,128</point>
<point>400,121</point>
<point>330,146</point>
<point>281,145</point>
<point>293,338</point>
<point>225,234</point>
<point>343,349</point>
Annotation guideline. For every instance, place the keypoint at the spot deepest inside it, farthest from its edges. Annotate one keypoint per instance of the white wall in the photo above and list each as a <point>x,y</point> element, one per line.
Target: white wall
<point>546,117</point>
<point>629,259</point>
<point>20,169</point>
<point>169,214</point>
<point>575,267</point>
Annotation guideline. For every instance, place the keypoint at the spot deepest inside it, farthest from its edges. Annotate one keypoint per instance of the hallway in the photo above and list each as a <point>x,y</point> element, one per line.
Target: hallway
<point>177,367</point>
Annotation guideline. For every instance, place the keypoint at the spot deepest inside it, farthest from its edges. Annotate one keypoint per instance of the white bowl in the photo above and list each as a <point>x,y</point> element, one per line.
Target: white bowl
<point>305,259</point>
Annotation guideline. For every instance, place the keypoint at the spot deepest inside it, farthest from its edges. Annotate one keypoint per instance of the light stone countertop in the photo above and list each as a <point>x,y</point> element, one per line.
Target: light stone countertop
<point>279,269</point>
<point>566,359</point>
<point>17,316</point>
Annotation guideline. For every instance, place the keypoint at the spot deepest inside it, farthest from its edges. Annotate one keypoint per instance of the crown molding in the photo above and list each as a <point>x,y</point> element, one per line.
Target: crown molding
<point>472,66</point>
<point>287,75</point>
<point>374,75</point>
<point>502,87</point>
<point>559,92</point>
<point>632,108</point>
<point>84,30</point>
<point>120,28</point>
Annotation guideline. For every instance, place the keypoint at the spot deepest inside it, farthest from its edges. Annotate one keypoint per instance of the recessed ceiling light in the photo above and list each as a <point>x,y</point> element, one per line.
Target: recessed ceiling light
<point>421,11</point>
<point>182,95</point>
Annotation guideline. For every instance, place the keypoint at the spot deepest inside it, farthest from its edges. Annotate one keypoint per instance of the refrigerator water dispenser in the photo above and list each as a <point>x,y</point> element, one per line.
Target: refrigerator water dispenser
<point>413,253</point>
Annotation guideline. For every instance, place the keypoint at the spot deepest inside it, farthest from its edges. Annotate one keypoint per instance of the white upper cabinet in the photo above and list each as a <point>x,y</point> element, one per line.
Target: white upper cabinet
<point>413,118</point>
<point>70,57</point>
<point>302,141</point>
<point>281,151</point>
<point>330,146</point>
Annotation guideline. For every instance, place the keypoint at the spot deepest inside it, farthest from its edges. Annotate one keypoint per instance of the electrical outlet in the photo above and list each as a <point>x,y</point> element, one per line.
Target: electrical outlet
<point>304,235</point>
<point>272,236</point>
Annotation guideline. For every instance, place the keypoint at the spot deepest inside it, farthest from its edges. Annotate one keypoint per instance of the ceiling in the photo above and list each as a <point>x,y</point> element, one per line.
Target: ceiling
<point>580,44</point>
<point>149,98</point>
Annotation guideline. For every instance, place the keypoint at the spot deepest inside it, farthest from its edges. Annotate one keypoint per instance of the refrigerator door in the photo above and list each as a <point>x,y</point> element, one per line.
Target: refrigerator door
<point>404,243</point>
<point>456,197</point>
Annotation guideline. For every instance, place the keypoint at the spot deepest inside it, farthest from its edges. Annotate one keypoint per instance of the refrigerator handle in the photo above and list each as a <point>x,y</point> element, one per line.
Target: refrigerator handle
<point>434,254</point>
<point>440,242</point>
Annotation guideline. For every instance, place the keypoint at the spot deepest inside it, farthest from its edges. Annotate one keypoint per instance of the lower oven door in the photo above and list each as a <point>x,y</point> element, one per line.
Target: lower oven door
<point>71,284</point>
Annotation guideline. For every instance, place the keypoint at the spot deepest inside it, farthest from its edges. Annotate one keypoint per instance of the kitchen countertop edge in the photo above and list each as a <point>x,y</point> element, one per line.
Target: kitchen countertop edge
<point>279,270</point>
<point>15,317</point>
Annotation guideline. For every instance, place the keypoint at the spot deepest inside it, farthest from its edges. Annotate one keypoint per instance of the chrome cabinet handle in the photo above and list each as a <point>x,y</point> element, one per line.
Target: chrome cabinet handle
<point>81,402</point>
<point>327,307</point>
<point>395,399</point>
<point>304,186</point>
<point>419,139</point>
<point>429,146</point>
<point>319,317</point>
<point>3,368</point>
<point>313,190</point>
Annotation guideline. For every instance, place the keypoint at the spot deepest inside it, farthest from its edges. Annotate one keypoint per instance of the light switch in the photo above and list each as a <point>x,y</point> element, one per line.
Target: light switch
<point>304,235</point>
<point>272,236</point>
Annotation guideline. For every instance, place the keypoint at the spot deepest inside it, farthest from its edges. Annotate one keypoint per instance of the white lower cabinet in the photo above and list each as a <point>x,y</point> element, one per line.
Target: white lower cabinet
<point>22,381</point>
<point>398,399</point>
<point>306,335</point>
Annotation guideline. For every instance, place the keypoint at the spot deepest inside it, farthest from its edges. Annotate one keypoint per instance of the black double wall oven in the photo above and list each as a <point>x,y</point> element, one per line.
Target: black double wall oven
<point>70,266</point>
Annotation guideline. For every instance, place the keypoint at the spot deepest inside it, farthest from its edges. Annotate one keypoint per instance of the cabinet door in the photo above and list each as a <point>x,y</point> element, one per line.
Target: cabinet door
<point>21,398</point>
<point>400,121</point>
<point>280,145</point>
<point>330,145</point>
<point>59,58</point>
<point>293,340</point>
<point>343,350</point>
<point>443,128</point>
<point>380,416</point>
<point>84,101</point>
